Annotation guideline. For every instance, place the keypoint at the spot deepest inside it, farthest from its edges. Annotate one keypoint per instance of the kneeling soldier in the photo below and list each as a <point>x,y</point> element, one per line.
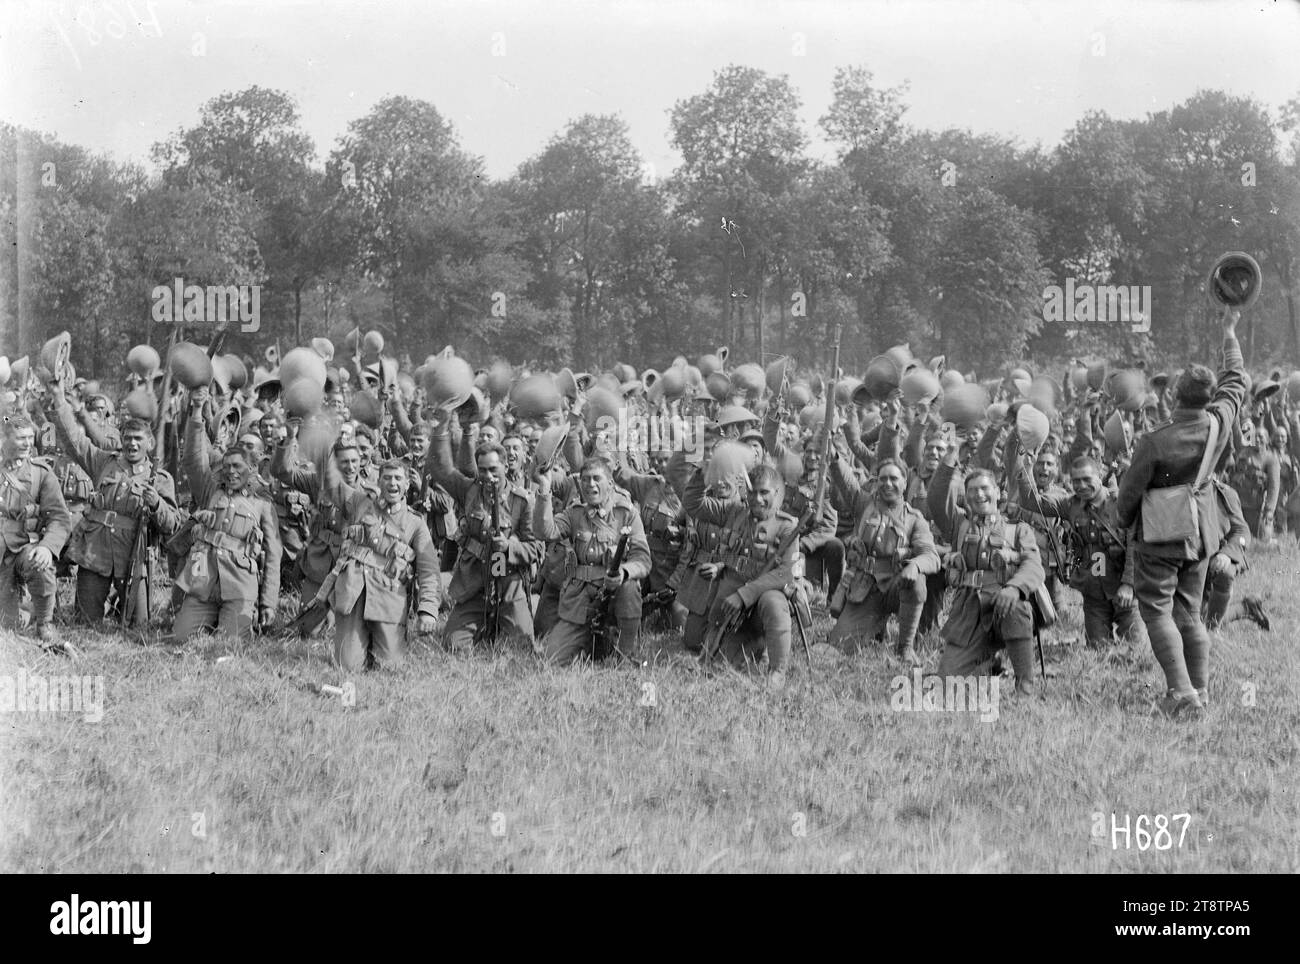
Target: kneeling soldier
<point>231,576</point>
<point>751,608</point>
<point>1224,567</point>
<point>1105,574</point>
<point>994,568</point>
<point>890,552</point>
<point>593,528</point>
<point>33,527</point>
<point>387,557</point>
<point>130,490</point>
<point>488,558</point>
<point>703,557</point>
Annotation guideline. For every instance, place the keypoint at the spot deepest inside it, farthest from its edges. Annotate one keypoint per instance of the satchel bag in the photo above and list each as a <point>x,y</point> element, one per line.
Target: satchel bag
<point>1170,515</point>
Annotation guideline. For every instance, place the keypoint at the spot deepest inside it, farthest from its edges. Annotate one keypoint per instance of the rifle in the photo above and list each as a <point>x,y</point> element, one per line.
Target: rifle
<point>828,425</point>
<point>721,630</point>
<point>602,632</point>
<point>491,588</point>
<point>141,570</point>
<point>164,405</point>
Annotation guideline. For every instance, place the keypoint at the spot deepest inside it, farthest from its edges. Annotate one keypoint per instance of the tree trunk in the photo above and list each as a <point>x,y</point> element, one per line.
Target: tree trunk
<point>24,333</point>
<point>297,311</point>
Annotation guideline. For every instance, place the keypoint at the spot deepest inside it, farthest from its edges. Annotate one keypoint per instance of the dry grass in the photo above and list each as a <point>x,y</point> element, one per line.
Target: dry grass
<point>574,773</point>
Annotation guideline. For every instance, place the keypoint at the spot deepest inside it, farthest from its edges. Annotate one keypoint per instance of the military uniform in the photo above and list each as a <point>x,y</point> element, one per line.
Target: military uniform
<point>32,515</point>
<point>662,518</point>
<point>76,486</point>
<point>1257,479</point>
<point>1108,559</point>
<point>326,526</point>
<point>474,540</point>
<point>706,543</point>
<point>1170,577</point>
<point>1236,540</point>
<point>386,548</point>
<point>884,540</point>
<point>755,572</point>
<point>558,563</point>
<point>992,554</point>
<point>823,551</point>
<point>103,541</point>
<point>1049,533</point>
<point>233,565</point>
<point>593,535</point>
<point>293,512</point>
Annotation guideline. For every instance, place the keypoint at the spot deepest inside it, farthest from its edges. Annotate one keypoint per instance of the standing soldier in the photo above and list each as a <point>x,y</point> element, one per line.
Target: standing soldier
<point>889,554</point>
<point>757,570</point>
<point>130,490</point>
<point>593,529</point>
<point>1170,576</point>
<point>231,577</point>
<point>387,567</point>
<point>497,559</point>
<point>33,526</point>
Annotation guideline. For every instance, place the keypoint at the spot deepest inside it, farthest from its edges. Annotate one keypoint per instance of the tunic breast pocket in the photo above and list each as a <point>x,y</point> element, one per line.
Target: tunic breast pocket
<point>887,547</point>
<point>240,523</point>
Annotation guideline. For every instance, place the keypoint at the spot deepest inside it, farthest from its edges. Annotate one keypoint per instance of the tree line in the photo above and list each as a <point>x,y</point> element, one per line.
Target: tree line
<point>942,239</point>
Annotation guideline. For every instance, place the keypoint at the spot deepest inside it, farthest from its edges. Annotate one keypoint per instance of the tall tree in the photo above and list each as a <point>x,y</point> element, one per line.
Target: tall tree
<point>742,155</point>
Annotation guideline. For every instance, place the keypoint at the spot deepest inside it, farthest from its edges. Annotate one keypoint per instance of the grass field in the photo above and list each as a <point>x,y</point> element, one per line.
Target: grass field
<point>223,757</point>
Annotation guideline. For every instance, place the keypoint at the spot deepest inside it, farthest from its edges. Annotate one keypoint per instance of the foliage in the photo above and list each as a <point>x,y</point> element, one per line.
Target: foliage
<point>941,239</point>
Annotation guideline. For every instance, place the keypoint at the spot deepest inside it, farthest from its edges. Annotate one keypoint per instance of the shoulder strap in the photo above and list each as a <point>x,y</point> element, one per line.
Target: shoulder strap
<point>1208,458</point>
<point>1011,532</point>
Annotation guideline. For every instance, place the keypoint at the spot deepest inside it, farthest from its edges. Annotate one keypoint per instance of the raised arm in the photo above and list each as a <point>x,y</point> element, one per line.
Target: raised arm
<point>941,498</point>
<point>546,524</point>
<point>89,456</point>
<point>438,462</point>
<point>701,507</point>
<point>197,466</point>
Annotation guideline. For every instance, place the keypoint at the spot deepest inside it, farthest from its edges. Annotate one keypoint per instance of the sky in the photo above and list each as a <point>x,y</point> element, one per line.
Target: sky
<point>116,76</point>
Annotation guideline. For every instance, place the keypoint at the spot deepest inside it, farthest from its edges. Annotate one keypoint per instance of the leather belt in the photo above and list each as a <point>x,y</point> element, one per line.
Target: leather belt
<point>590,573</point>
<point>107,517</point>
<point>979,578</point>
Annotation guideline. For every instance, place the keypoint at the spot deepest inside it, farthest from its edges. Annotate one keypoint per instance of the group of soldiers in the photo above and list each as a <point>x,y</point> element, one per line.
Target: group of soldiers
<point>564,525</point>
